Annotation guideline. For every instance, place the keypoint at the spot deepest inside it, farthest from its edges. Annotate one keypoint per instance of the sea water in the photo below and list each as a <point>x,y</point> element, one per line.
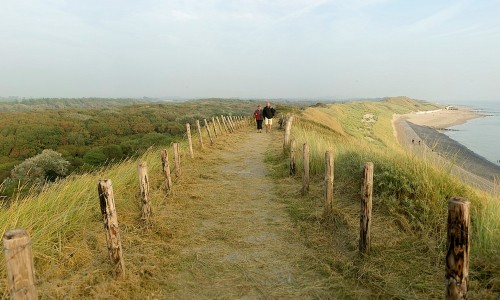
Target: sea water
<point>481,135</point>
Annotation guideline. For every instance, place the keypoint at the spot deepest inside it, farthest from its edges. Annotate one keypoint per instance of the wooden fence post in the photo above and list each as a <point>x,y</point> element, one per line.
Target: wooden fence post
<point>190,141</point>
<point>292,157</point>
<point>366,209</point>
<point>305,171</point>
<point>177,160</point>
<point>220,125</point>
<point>457,255</point>
<point>209,133</point>
<point>200,138</point>
<point>142,170</point>
<point>19,264</point>
<point>110,219</point>
<point>165,166</point>
<point>215,129</point>
<point>288,128</point>
<point>328,182</point>
<point>230,124</point>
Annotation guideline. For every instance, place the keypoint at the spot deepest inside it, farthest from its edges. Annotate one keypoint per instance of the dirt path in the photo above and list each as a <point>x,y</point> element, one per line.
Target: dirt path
<point>240,242</point>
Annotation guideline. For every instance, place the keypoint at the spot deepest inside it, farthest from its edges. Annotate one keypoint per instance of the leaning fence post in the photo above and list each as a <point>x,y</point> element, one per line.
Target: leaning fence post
<point>190,141</point>
<point>328,182</point>
<point>288,128</point>
<point>226,126</point>
<point>200,138</point>
<point>165,166</point>
<point>19,264</point>
<point>215,129</point>
<point>292,157</point>
<point>208,130</point>
<point>144,190</point>
<point>220,125</point>
<point>177,160</point>
<point>366,209</point>
<point>110,219</point>
<point>457,254</point>
<point>305,170</point>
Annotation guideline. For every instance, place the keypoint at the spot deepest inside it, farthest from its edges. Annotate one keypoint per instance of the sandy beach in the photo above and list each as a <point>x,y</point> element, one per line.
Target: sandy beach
<point>420,133</point>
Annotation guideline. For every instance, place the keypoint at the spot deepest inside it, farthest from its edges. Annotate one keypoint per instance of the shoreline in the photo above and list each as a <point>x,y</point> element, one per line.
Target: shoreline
<point>420,134</point>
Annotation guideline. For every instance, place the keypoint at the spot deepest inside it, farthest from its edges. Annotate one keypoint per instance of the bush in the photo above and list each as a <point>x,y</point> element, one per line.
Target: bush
<point>46,166</point>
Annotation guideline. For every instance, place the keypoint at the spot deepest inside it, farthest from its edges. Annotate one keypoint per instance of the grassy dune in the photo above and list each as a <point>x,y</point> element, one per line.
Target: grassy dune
<point>410,205</point>
<point>408,235</point>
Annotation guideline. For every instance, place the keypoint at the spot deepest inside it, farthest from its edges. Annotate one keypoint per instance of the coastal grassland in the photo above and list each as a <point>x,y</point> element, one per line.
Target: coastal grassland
<point>409,206</point>
<point>68,241</point>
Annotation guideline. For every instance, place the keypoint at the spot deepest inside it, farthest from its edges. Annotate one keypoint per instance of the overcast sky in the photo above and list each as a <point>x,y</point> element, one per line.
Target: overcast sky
<point>426,49</point>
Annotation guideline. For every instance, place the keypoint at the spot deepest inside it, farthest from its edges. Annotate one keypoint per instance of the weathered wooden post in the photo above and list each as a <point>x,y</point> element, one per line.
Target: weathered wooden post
<point>288,128</point>
<point>230,124</point>
<point>220,125</point>
<point>142,170</point>
<point>177,159</point>
<point>165,166</point>
<point>208,131</point>
<point>366,209</point>
<point>200,138</point>
<point>215,129</point>
<point>328,183</point>
<point>190,141</point>
<point>110,219</point>
<point>457,254</point>
<point>305,170</point>
<point>292,157</point>
<point>19,264</point>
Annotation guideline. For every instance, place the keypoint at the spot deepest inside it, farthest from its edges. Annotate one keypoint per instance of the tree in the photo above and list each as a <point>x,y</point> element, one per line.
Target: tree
<point>44,167</point>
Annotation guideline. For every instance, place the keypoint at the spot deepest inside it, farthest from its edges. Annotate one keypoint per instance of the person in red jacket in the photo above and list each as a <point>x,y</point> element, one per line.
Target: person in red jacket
<point>259,118</point>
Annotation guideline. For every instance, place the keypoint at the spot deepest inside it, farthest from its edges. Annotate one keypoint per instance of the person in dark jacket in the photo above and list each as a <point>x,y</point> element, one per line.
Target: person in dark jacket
<point>259,118</point>
<point>268,113</point>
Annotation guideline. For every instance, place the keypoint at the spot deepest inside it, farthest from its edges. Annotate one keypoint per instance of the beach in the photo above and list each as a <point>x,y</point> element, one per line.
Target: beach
<point>420,133</point>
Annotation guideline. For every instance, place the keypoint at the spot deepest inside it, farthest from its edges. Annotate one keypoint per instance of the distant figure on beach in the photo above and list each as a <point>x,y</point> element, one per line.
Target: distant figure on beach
<point>419,143</point>
<point>268,113</point>
<point>259,118</point>
<point>413,141</point>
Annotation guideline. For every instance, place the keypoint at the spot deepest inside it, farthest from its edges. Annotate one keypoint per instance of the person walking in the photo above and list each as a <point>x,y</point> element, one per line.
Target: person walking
<point>259,118</point>
<point>268,113</point>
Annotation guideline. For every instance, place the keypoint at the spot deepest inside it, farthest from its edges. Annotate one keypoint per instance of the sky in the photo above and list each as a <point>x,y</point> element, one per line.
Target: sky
<point>428,49</point>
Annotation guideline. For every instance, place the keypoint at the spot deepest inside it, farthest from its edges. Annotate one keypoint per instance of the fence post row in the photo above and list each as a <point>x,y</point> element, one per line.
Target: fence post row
<point>305,171</point>
<point>366,209</point>
<point>165,166</point>
<point>328,182</point>
<point>177,160</point>
<point>200,138</point>
<point>144,191</point>
<point>190,141</point>
<point>110,220</point>
<point>208,131</point>
<point>19,264</point>
<point>457,255</point>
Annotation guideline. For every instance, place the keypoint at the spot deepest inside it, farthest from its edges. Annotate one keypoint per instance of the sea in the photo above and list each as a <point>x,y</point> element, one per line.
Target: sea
<point>480,135</point>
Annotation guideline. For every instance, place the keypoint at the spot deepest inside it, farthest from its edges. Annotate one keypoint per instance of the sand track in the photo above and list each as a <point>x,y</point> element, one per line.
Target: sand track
<point>240,244</point>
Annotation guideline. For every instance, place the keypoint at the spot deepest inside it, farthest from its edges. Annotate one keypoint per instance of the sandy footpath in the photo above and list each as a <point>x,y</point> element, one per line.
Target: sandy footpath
<point>419,133</point>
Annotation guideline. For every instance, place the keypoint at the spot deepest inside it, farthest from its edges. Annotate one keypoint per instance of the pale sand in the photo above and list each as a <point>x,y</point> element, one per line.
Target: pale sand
<point>440,149</point>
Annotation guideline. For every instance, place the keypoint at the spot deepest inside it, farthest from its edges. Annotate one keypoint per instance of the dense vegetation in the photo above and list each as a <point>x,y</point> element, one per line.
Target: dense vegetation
<point>100,131</point>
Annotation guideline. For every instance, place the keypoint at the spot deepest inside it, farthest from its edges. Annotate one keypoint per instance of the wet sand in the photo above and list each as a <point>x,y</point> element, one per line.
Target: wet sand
<point>463,163</point>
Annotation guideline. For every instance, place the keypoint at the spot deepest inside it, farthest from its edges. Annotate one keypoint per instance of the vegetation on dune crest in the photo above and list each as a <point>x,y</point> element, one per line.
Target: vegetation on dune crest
<point>408,226</point>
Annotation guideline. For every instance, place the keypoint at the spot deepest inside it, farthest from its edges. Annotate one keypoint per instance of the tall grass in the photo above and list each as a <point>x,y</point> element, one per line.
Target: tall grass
<point>410,190</point>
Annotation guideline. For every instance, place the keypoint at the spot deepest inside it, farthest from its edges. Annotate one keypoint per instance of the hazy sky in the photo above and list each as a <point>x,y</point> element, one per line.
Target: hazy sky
<point>426,49</point>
